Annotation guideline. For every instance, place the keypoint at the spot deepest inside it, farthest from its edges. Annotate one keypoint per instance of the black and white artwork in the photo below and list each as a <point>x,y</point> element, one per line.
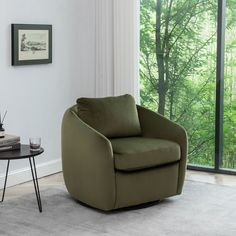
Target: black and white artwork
<point>31,44</point>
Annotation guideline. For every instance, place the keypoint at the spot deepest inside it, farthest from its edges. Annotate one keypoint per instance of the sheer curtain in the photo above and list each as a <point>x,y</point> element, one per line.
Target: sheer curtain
<point>117,47</point>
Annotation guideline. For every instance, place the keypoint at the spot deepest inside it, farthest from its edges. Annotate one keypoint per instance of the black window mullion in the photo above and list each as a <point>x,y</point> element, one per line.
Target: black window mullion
<point>220,84</point>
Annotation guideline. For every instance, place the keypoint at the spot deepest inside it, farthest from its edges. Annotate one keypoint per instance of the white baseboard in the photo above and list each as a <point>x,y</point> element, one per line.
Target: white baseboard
<point>23,175</point>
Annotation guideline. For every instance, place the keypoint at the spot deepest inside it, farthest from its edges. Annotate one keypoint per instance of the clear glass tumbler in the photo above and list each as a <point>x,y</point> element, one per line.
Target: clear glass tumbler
<point>35,143</point>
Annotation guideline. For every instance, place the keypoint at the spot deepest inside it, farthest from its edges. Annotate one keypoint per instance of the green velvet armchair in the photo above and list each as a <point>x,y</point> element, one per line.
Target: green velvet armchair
<point>116,154</point>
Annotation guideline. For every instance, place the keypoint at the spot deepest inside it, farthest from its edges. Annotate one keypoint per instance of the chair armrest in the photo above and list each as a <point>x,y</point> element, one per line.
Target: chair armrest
<point>87,161</point>
<point>154,125</point>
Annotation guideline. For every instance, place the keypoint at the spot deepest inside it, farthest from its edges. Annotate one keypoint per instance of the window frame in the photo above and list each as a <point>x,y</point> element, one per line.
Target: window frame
<point>219,108</point>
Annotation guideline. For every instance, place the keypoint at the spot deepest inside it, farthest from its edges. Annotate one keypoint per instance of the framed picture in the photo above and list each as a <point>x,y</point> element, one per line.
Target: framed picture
<point>31,44</point>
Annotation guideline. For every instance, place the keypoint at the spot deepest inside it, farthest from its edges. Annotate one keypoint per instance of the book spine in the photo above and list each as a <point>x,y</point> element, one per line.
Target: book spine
<point>9,142</point>
<point>11,147</point>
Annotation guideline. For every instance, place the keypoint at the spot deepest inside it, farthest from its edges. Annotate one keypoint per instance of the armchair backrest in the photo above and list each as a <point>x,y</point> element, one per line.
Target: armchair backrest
<point>111,116</point>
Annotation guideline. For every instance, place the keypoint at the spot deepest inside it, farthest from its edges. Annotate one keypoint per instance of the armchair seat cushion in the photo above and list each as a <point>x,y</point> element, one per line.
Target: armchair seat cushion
<point>135,153</point>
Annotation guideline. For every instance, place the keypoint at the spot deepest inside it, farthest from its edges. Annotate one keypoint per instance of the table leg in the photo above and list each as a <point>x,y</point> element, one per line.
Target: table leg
<point>5,183</point>
<point>35,181</point>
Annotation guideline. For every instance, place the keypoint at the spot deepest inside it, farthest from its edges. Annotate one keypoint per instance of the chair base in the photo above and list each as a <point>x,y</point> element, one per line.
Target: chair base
<point>150,185</point>
<point>133,189</point>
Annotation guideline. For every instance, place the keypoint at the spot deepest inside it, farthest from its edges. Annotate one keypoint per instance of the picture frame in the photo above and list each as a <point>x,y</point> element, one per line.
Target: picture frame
<point>31,44</point>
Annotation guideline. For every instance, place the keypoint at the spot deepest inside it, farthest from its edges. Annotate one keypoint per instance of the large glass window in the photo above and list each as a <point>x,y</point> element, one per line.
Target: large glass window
<point>178,68</point>
<point>229,150</point>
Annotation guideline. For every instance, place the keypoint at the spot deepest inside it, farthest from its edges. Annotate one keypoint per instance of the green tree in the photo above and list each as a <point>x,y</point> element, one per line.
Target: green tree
<point>178,67</point>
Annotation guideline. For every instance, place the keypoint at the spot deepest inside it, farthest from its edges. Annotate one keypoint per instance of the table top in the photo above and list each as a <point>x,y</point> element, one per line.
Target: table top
<point>23,152</point>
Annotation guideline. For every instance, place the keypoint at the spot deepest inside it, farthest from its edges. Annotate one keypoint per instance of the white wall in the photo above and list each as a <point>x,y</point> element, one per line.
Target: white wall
<point>36,96</point>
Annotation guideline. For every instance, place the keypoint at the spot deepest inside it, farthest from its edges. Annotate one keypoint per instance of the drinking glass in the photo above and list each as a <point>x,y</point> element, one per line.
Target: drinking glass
<point>35,143</point>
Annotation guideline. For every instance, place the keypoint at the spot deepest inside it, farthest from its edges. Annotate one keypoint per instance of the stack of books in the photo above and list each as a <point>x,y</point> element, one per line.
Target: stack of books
<point>9,142</point>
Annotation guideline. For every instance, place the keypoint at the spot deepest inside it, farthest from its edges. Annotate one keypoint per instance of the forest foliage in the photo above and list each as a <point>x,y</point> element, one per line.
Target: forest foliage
<point>178,41</point>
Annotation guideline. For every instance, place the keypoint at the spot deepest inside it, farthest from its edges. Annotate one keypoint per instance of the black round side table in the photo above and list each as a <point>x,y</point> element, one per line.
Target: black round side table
<point>22,153</point>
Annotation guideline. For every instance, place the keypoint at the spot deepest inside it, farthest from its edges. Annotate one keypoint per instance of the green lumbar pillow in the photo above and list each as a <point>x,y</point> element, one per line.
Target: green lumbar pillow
<point>111,116</point>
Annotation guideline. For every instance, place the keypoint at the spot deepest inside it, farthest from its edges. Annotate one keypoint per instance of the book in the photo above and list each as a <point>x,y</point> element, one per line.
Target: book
<point>10,147</point>
<point>9,139</point>
<point>11,144</point>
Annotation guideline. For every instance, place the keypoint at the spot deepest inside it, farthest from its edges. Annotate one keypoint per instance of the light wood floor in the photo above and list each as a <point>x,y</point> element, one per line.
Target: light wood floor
<point>57,180</point>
